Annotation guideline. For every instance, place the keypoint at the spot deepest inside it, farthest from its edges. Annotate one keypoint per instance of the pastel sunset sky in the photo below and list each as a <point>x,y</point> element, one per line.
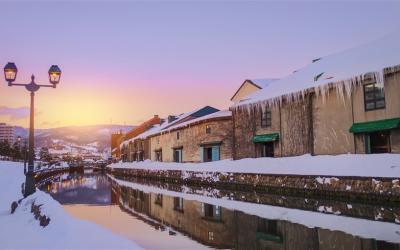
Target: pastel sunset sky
<point>124,61</point>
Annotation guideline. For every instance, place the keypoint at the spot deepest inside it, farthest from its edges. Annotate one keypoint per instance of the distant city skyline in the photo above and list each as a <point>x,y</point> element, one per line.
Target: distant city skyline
<point>125,61</point>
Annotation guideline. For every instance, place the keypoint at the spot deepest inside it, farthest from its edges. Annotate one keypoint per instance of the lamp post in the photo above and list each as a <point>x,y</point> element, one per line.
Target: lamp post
<point>10,74</point>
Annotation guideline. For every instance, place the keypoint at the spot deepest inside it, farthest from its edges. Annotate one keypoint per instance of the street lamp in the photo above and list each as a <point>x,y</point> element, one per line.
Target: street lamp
<point>10,74</point>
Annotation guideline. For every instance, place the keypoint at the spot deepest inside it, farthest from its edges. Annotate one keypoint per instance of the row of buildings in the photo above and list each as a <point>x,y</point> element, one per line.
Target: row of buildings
<point>343,103</point>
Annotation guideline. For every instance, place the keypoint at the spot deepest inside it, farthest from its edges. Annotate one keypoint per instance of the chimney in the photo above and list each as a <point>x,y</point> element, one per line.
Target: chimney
<point>171,118</point>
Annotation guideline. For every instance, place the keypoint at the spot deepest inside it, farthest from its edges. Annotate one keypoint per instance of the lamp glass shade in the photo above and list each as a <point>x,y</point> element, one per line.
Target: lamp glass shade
<point>54,74</point>
<point>10,72</point>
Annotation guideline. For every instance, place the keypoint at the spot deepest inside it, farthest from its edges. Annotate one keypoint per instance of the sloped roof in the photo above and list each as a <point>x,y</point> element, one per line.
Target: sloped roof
<point>345,67</point>
<point>182,118</point>
<point>262,83</point>
<point>217,115</point>
<point>259,83</point>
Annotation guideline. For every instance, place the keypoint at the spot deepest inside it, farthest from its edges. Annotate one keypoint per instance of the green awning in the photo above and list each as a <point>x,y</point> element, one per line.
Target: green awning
<point>266,137</point>
<point>366,127</point>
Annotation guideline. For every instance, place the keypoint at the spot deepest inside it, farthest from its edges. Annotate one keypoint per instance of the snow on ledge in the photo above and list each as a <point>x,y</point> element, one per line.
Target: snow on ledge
<point>372,165</point>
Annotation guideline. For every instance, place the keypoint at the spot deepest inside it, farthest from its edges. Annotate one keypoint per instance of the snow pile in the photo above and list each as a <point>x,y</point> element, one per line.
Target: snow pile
<point>344,70</point>
<point>64,231</point>
<point>328,220</point>
<point>371,165</point>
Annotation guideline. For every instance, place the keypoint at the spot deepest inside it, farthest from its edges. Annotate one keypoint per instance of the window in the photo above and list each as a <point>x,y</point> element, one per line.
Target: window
<point>178,204</point>
<point>374,97</point>
<point>208,129</point>
<point>159,199</point>
<point>266,118</point>
<point>177,135</point>
<point>211,212</point>
<point>211,236</point>
<point>267,226</point>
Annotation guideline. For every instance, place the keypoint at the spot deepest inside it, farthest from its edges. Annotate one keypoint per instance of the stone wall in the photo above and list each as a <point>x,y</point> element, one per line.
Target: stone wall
<point>244,130</point>
<point>292,122</point>
<point>367,188</point>
<point>191,137</point>
<point>296,128</point>
<point>332,118</point>
<point>395,140</point>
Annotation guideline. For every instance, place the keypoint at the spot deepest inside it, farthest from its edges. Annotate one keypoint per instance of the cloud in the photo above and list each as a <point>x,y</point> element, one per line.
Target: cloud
<point>14,113</point>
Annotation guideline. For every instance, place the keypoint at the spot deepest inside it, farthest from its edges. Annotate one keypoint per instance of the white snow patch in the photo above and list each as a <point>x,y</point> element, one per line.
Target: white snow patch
<point>368,165</point>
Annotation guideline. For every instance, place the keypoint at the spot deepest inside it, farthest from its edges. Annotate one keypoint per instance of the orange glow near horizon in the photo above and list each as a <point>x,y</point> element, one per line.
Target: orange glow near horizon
<point>78,104</point>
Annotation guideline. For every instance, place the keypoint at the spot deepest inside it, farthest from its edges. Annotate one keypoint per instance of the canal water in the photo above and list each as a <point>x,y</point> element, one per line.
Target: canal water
<point>157,215</point>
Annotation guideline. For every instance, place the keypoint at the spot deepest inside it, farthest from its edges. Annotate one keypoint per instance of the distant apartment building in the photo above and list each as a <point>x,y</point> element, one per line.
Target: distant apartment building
<point>7,133</point>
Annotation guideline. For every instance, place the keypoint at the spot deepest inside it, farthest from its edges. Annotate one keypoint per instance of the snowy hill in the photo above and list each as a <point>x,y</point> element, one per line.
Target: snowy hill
<point>95,137</point>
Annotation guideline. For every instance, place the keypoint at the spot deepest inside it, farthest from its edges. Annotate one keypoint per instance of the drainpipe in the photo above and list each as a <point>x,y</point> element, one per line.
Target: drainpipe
<point>234,156</point>
<point>311,121</point>
<point>352,117</point>
<point>280,129</point>
<point>254,131</point>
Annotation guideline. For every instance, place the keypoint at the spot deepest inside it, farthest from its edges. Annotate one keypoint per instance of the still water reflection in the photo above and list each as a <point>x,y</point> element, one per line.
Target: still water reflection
<point>164,216</point>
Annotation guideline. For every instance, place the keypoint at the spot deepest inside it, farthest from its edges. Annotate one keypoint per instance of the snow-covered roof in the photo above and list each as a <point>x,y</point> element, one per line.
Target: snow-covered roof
<point>345,68</point>
<point>263,83</point>
<point>159,128</point>
<point>216,115</point>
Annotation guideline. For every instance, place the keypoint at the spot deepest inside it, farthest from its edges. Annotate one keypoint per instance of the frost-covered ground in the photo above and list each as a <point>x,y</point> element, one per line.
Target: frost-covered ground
<point>378,165</point>
<point>20,230</point>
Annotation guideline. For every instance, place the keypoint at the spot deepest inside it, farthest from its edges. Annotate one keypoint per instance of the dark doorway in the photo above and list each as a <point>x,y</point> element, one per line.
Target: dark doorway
<point>177,155</point>
<point>266,149</point>
<point>380,142</point>
<point>207,154</point>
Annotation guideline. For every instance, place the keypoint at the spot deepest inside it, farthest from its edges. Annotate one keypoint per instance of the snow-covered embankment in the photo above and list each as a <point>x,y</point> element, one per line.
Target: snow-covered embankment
<point>22,230</point>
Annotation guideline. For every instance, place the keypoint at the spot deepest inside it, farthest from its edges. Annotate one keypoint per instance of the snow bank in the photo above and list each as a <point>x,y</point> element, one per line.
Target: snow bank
<point>354,226</point>
<point>372,165</point>
<point>63,232</point>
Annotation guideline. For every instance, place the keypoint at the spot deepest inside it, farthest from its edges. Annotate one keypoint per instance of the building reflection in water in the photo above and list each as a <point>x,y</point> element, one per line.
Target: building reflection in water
<point>220,227</point>
<point>209,224</point>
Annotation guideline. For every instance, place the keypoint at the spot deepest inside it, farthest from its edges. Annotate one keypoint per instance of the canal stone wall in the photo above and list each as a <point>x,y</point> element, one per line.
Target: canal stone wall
<point>366,188</point>
<point>389,212</point>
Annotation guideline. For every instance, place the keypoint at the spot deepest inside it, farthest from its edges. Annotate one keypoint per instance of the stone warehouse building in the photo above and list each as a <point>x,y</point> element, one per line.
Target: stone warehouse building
<point>206,138</point>
<point>343,103</point>
<point>204,134</point>
<point>131,151</point>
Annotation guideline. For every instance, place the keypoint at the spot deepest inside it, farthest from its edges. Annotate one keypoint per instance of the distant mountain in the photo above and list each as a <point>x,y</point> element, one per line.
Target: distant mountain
<point>98,136</point>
